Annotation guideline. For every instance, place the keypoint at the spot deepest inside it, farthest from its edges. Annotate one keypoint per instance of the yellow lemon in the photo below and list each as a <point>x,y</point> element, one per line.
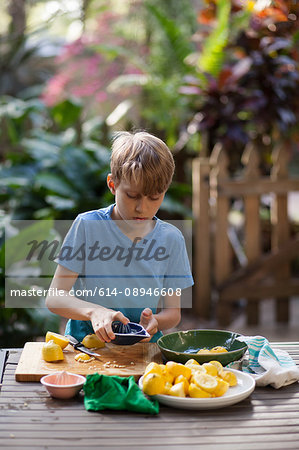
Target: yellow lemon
<point>52,352</point>
<point>205,382</point>
<point>153,367</point>
<point>210,369</point>
<point>153,384</point>
<point>167,386</point>
<point>57,338</point>
<point>177,369</point>
<point>82,357</point>
<point>92,341</point>
<point>167,375</point>
<point>182,379</point>
<point>177,390</point>
<point>222,387</point>
<point>203,351</point>
<point>196,392</point>
<point>191,362</point>
<point>230,377</point>
<point>218,365</point>
<point>218,349</point>
<point>196,369</point>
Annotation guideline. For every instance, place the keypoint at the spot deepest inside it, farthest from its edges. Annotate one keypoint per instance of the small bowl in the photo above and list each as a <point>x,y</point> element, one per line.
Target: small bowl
<point>183,345</point>
<point>130,334</point>
<point>63,384</point>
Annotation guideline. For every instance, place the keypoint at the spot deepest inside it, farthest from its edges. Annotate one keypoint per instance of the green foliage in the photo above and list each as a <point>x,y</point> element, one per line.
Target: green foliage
<point>212,56</point>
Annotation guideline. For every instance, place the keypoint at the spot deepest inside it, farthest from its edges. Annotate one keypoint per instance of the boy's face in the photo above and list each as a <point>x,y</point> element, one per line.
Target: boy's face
<point>131,204</point>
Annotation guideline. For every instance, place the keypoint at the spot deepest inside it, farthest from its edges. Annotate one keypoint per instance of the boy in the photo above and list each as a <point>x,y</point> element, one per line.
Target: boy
<point>145,261</point>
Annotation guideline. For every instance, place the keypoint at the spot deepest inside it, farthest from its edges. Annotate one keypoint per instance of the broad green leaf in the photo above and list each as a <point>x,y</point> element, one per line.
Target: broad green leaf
<point>55,184</point>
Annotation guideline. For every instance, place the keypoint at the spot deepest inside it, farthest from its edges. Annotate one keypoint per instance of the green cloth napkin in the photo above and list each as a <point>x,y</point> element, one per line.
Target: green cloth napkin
<point>113,392</point>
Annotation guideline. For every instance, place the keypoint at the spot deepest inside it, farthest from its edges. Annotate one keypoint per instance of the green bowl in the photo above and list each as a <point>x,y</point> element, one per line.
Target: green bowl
<point>184,345</point>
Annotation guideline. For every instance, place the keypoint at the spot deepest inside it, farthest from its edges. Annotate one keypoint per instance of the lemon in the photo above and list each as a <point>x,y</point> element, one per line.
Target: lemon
<point>57,338</point>
<point>230,377</point>
<point>167,386</point>
<point>177,390</point>
<point>177,369</point>
<point>197,369</point>
<point>182,379</point>
<point>203,351</point>
<point>218,365</point>
<point>167,375</point>
<point>82,357</point>
<point>205,382</point>
<point>52,352</point>
<point>92,341</point>
<point>153,367</point>
<point>153,384</point>
<point>218,349</point>
<point>195,392</point>
<point>210,369</point>
<point>191,361</point>
<point>222,387</point>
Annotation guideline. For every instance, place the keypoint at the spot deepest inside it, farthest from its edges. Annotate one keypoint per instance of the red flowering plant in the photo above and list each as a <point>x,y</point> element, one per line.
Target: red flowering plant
<point>246,83</point>
<point>86,67</point>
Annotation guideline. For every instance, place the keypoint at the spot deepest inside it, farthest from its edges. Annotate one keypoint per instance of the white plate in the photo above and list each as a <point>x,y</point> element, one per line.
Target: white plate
<point>235,394</point>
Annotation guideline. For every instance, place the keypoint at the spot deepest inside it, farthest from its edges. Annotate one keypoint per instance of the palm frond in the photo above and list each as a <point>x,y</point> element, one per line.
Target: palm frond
<point>212,56</point>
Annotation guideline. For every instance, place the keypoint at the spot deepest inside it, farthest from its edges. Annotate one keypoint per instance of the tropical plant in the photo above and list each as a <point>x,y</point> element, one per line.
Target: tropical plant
<point>246,89</point>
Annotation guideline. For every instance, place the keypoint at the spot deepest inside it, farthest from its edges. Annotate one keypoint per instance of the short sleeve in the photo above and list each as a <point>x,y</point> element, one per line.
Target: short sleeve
<point>178,274</point>
<point>72,252</point>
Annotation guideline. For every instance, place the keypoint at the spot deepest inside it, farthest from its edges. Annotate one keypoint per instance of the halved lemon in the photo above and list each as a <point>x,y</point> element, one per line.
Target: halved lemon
<point>52,352</point>
<point>59,339</point>
<point>92,341</point>
<point>205,382</point>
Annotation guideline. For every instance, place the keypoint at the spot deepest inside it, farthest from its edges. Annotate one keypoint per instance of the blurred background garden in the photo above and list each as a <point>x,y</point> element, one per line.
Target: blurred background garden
<point>196,73</point>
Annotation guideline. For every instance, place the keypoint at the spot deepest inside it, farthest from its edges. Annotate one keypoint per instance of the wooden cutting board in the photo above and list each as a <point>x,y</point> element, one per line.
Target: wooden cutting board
<point>134,358</point>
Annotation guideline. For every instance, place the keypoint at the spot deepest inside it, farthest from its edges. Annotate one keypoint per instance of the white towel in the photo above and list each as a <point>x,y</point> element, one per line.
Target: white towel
<point>268,366</point>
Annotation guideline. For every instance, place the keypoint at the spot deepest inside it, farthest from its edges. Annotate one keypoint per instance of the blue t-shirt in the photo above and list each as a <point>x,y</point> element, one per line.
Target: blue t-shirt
<point>119,273</point>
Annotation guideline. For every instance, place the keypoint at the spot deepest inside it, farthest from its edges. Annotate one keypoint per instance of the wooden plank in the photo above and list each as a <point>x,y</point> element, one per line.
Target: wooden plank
<point>240,188</point>
<point>257,291</point>
<point>264,264</point>
<point>32,367</point>
<point>222,261</point>
<point>200,206</point>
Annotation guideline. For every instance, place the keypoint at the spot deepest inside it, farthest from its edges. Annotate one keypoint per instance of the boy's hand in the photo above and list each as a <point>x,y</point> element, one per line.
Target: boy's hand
<point>102,320</point>
<point>149,322</point>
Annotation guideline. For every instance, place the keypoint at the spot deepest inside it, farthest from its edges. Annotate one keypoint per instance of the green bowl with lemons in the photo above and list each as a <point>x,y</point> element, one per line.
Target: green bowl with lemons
<point>183,345</point>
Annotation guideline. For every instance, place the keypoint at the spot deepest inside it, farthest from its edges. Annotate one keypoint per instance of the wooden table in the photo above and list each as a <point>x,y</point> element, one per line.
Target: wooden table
<point>268,419</point>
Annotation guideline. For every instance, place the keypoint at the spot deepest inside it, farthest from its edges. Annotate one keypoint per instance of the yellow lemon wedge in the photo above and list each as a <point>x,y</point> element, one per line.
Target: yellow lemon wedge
<point>81,357</point>
<point>204,351</point>
<point>218,365</point>
<point>167,375</point>
<point>205,382</point>
<point>59,339</point>
<point>210,369</point>
<point>191,362</point>
<point>153,384</point>
<point>222,387</point>
<point>177,390</point>
<point>177,369</point>
<point>218,349</point>
<point>230,377</point>
<point>92,341</point>
<point>153,367</point>
<point>195,392</point>
<point>182,379</point>
<point>52,352</point>
<point>167,386</point>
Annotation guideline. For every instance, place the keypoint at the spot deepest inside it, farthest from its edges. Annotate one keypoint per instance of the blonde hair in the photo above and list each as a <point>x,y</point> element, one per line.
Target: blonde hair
<point>143,159</point>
